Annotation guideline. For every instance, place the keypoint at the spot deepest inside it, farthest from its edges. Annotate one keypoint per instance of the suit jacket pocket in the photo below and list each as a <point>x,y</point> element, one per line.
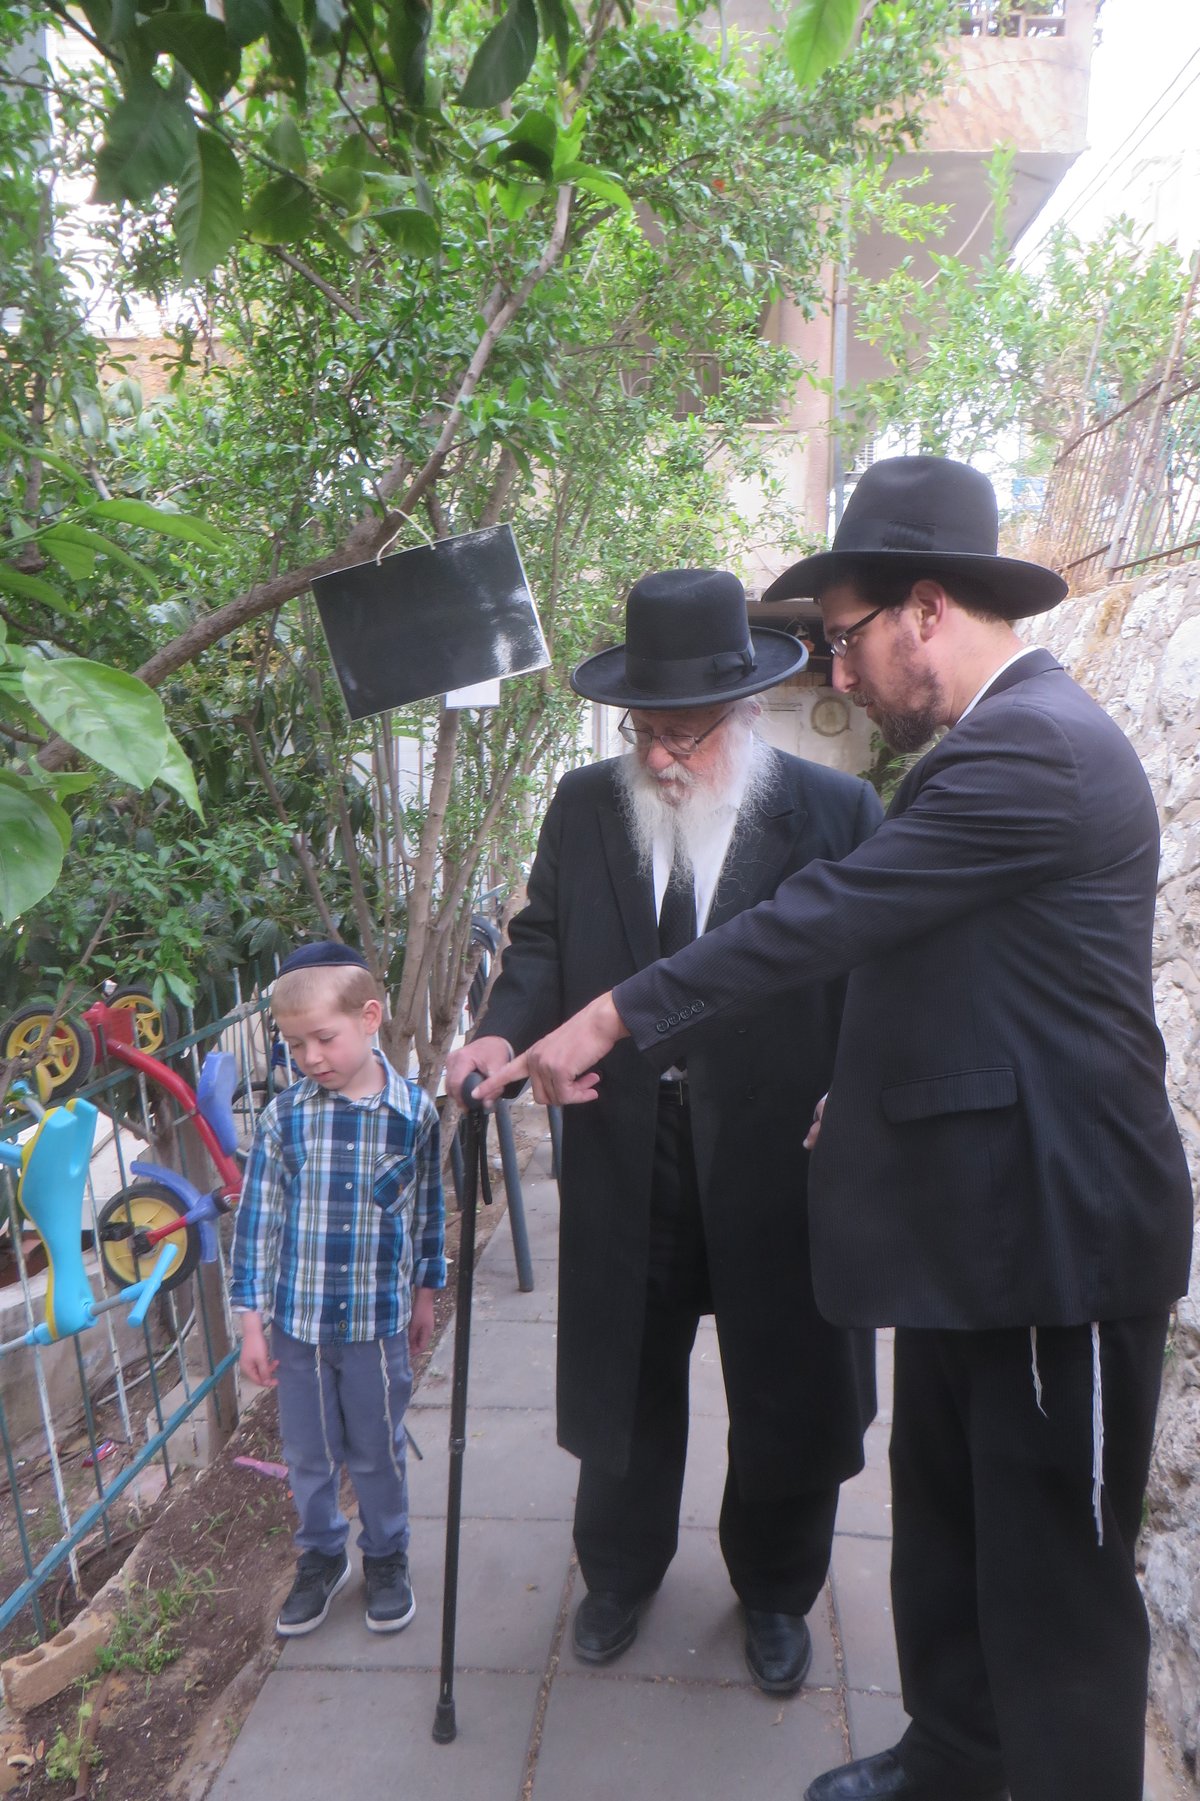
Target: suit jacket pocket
<point>962,1091</point>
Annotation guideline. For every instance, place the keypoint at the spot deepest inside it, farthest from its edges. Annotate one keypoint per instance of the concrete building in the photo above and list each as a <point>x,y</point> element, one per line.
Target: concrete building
<point>1018,77</point>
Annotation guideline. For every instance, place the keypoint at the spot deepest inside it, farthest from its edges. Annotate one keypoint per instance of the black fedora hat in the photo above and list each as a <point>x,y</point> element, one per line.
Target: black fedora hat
<point>932,516</point>
<point>687,643</point>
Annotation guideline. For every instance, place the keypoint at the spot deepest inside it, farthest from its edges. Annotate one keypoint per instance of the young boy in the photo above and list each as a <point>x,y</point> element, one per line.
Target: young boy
<point>339,1245</point>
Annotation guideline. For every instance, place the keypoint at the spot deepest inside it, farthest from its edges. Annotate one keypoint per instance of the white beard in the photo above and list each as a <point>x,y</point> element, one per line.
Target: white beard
<point>690,823</point>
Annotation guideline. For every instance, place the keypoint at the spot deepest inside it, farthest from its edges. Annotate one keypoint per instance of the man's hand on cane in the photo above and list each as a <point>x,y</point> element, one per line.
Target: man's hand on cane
<point>561,1066</point>
<point>487,1055</point>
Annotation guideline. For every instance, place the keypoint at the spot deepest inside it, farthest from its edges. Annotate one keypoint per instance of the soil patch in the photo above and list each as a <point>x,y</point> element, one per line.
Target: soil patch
<point>196,1639</point>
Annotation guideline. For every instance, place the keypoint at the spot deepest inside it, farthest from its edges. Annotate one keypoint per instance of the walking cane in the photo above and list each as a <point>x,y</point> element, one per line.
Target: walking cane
<point>475,1175</point>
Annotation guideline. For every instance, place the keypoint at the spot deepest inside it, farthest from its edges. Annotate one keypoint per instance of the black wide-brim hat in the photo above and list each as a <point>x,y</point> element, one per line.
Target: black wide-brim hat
<point>688,644</point>
<point>933,517</point>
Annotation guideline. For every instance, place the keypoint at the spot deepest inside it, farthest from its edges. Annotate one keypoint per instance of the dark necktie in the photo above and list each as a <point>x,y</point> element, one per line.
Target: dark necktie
<point>677,919</point>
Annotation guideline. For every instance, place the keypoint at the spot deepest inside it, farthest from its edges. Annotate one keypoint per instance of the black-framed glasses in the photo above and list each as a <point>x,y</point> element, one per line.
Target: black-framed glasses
<point>676,744</point>
<point>839,642</point>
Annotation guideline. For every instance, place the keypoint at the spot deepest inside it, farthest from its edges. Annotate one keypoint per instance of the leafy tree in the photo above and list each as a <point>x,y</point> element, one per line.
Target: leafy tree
<point>1041,349</point>
<point>438,308</point>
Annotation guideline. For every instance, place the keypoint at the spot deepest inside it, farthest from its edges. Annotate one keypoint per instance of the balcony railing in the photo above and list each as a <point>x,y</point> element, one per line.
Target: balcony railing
<point>1013,19</point>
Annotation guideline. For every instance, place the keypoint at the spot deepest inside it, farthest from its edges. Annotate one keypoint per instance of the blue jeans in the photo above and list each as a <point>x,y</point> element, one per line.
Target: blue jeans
<point>344,1404</point>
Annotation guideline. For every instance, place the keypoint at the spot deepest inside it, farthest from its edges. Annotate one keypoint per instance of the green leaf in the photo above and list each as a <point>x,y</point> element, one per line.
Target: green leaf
<point>289,57</point>
<point>247,20</point>
<point>407,37</point>
<point>346,186</point>
<point>176,772</point>
<point>330,14</point>
<point>45,456</point>
<point>596,182</point>
<point>104,547</point>
<point>155,519</point>
<point>31,847</point>
<point>409,228</point>
<point>32,587</point>
<point>208,211</point>
<point>354,152</point>
<point>110,716</point>
<point>281,212</point>
<point>149,138</point>
<point>184,993</point>
<point>79,560</point>
<point>199,43</point>
<point>504,58</point>
<point>532,140</point>
<point>516,198</point>
<point>286,145</point>
<point>558,19</point>
<point>817,35</point>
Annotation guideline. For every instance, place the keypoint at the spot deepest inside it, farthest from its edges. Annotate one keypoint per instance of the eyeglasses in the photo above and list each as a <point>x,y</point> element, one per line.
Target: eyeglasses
<point>839,642</point>
<point>676,744</point>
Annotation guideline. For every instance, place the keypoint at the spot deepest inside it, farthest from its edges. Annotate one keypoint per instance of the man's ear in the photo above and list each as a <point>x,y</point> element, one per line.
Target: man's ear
<point>372,1016</point>
<point>930,605</point>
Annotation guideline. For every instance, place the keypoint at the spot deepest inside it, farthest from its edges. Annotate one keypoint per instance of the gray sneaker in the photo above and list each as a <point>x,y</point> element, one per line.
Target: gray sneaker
<point>318,1579</point>
<point>390,1604</point>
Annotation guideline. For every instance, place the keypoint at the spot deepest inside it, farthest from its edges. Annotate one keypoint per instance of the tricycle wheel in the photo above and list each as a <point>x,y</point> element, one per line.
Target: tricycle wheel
<point>144,1207</point>
<point>63,1058</point>
<point>153,1025</point>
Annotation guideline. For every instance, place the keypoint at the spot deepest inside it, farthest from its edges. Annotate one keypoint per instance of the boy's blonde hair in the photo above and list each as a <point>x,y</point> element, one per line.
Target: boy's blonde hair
<point>342,987</point>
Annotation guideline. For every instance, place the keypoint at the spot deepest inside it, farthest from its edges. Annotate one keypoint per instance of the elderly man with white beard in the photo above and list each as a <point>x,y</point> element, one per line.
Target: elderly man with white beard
<point>684,1194</point>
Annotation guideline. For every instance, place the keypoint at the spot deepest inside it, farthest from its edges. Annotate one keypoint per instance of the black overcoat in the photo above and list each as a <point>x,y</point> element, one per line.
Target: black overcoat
<point>801,1391</point>
<point>998,1149</point>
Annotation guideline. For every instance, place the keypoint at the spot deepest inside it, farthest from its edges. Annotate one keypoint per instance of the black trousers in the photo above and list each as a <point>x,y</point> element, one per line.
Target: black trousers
<point>627,1526</point>
<point>1023,1641</point>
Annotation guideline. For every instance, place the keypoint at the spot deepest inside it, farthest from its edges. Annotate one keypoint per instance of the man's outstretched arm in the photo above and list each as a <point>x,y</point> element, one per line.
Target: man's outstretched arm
<point>562,1066</point>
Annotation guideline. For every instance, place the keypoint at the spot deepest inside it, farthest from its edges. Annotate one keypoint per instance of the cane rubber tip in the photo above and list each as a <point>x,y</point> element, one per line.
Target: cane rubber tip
<point>445,1729</point>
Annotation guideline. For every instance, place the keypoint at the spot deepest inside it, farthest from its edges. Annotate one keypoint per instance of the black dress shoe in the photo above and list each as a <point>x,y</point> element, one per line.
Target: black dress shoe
<point>605,1625</point>
<point>778,1650</point>
<point>883,1778</point>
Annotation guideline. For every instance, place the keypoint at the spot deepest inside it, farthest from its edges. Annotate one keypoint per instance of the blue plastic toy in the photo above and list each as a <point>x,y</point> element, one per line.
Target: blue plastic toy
<point>53,1169</point>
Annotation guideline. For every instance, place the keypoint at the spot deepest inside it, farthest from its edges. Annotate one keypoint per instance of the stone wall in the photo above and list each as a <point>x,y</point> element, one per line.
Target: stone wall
<point>1136,647</point>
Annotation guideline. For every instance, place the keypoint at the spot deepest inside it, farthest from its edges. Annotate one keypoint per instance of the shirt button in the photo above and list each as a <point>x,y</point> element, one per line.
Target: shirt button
<point>349,1147</point>
<point>349,1185</point>
<point>345,1267</point>
<point>345,1228</point>
<point>343,1307</point>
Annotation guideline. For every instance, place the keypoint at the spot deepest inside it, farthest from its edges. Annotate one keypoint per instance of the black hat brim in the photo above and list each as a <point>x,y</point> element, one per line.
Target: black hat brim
<point>605,678</point>
<point>1019,589</point>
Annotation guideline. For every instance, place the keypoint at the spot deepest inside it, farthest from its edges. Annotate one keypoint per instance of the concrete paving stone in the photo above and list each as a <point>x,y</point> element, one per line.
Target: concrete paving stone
<point>704,1476</point>
<point>642,1739</point>
<point>865,1503</point>
<point>513,1467</point>
<point>884,1359</point>
<point>316,1734</point>
<point>692,1629</point>
<point>877,1721</point>
<point>706,1380</point>
<point>510,1586</point>
<point>497,1297</point>
<point>862,1602</point>
<point>512,1364</point>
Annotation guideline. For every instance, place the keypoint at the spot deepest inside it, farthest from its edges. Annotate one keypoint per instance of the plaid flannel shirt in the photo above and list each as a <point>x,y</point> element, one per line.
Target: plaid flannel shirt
<point>341,1213</point>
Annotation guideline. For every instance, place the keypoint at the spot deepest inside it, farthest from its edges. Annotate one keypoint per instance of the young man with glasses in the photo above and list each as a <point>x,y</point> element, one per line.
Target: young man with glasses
<point>683,1189</point>
<point>996,1172</point>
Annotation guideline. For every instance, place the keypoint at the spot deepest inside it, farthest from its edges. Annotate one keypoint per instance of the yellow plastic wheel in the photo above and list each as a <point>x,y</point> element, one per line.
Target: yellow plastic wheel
<point>144,1207</point>
<point>62,1060</point>
<point>154,1026</point>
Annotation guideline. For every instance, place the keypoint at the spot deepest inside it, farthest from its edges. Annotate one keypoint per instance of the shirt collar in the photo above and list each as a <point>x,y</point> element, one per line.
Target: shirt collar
<point>1026,650</point>
<point>394,1093</point>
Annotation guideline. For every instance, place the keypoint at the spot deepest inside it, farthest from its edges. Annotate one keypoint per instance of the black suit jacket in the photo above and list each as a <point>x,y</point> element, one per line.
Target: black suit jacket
<point>801,1392</point>
<point>998,1149</point>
